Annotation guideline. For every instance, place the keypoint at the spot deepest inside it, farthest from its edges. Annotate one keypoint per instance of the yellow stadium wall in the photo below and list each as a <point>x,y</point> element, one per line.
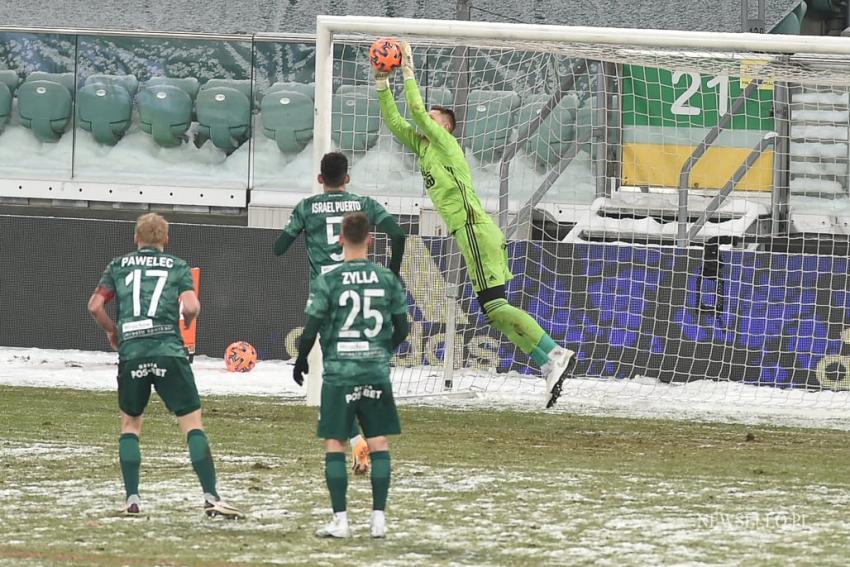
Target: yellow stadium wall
<point>659,165</point>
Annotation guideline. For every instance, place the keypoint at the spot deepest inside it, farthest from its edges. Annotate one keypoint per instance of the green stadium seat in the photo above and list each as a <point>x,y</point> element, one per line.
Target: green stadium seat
<point>224,116</point>
<point>105,109</point>
<point>67,80</point>
<point>790,25</point>
<point>45,108</point>
<point>356,117</point>
<point>189,85</point>
<point>489,117</point>
<point>287,115</point>
<point>5,104</point>
<point>128,82</point>
<point>242,85</point>
<point>10,79</point>
<point>165,112</point>
<point>550,141</point>
<point>433,96</point>
<point>800,11</point>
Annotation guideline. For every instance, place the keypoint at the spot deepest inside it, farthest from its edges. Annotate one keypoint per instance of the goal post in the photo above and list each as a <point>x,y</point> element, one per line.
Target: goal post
<point>660,160</point>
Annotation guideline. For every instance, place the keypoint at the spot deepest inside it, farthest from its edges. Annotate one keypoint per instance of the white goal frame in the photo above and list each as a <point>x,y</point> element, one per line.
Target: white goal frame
<point>327,26</point>
<point>540,37</point>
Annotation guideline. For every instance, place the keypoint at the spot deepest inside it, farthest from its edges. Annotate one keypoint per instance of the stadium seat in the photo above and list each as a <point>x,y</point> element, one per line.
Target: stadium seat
<point>489,117</point>
<point>242,85</point>
<point>67,80</point>
<point>439,96</point>
<point>790,25</point>
<point>5,104</point>
<point>224,116</point>
<point>128,82</point>
<point>189,85</point>
<point>552,138</point>
<point>356,117</point>
<point>165,112</point>
<point>44,106</point>
<point>105,109</point>
<point>10,79</point>
<point>287,114</point>
<point>800,11</point>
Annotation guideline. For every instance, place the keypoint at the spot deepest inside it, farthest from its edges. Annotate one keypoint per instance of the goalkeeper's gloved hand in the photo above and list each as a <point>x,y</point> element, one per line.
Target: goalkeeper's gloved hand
<point>406,60</point>
<point>299,370</point>
<point>382,81</point>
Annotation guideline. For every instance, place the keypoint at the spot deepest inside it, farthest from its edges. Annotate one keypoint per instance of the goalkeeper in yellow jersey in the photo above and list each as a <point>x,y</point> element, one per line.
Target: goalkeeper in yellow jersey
<point>448,182</point>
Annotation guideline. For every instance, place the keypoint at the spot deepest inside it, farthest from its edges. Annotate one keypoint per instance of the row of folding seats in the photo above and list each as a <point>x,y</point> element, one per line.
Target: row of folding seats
<point>222,108</point>
<point>491,121</point>
<point>166,106</point>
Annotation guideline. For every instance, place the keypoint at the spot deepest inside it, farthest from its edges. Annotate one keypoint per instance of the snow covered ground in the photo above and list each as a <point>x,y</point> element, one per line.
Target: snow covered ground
<point>641,398</point>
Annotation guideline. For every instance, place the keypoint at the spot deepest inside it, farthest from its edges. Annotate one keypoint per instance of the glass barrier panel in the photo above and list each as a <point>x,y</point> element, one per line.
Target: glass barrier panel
<point>283,127</point>
<point>36,105</point>
<point>164,111</point>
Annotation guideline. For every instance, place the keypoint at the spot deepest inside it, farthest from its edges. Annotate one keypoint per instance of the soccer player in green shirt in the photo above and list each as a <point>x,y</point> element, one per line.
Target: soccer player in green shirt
<point>448,182</point>
<point>319,217</point>
<point>150,286</point>
<point>360,310</point>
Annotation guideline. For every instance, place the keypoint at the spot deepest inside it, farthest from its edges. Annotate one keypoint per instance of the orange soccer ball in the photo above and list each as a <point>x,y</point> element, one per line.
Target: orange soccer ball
<point>385,54</point>
<point>240,357</point>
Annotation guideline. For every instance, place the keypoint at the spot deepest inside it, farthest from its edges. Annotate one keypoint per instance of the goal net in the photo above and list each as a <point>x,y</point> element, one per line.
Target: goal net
<point>675,203</point>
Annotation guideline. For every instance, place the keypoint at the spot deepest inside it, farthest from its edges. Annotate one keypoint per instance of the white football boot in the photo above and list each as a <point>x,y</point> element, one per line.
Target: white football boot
<point>560,365</point>
<point>379,524</point>
<point>336,528</point>
<point>132,507</point>
<point>213,508</point>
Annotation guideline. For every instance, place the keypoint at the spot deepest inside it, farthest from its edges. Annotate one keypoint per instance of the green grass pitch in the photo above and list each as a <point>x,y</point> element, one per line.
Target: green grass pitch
<point>468,488</point>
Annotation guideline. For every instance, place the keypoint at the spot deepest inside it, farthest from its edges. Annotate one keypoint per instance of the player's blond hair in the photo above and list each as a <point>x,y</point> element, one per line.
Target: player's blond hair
<point>152,230</point>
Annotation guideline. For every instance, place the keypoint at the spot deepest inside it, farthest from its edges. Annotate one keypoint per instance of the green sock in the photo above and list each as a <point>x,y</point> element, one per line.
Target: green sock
<point>202,461</point>
<point>380,479</point>
<point>130,456</point>
<point>336,475</point>
<point>520,328</point>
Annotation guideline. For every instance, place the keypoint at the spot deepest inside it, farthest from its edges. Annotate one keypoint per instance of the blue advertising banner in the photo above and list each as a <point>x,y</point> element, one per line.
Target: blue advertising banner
<point>675,315</point>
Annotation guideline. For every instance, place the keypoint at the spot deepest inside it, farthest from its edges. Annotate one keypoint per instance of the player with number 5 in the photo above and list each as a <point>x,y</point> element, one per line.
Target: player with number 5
<point>320,218</point>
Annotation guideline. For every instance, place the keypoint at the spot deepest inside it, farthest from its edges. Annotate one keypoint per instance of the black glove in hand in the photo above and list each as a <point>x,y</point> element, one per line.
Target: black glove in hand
<point>299,370</point>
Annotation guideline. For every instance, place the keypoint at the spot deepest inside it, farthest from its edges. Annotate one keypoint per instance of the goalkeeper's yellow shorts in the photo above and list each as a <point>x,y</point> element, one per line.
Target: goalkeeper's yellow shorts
<point>486,253</point>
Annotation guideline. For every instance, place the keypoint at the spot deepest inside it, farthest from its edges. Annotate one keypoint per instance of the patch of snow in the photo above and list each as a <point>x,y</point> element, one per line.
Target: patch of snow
<point>641,397</point>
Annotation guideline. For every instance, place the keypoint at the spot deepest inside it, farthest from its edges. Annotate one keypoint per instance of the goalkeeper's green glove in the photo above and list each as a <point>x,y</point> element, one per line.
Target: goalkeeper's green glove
<point>406,60</point>
<point>382,79</point>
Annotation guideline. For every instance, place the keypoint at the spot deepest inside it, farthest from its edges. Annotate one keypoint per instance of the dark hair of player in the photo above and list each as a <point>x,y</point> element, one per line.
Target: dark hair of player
<point>355,228</point>
<point>334,168</point>
<point>449,113</point>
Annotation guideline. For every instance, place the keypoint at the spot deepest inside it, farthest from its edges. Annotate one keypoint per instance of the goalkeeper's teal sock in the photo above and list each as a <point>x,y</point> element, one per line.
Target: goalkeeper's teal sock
<point>380,479</point>
<point>541,351</point>
<point>336,476</point>
<point>202,461</point>
<point>130,457</point>
<point>520,328</point>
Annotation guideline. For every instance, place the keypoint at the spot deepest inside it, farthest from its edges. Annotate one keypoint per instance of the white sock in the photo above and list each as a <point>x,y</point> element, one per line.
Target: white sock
<point>355,440</point>
<point>378,515</point>
<point>210,498</point>
<point>134,499</point>
<point>342,516</point>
